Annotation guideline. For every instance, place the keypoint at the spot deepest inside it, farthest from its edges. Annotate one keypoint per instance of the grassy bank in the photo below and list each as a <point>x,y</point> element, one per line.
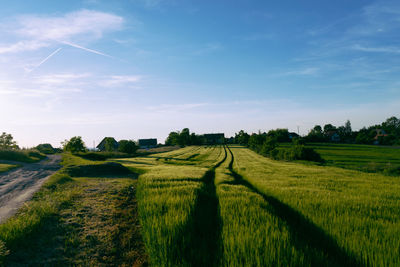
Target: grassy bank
<point>75,220</point>
<point>27,156</point>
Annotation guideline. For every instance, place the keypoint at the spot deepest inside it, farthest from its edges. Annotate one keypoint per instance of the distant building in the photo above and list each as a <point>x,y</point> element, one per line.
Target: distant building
<point>214,139</point>
<point>379,133</point>
<point>148,143</point>
<point>333,136</point>
<point>293,135</point>
<point>102,145</point>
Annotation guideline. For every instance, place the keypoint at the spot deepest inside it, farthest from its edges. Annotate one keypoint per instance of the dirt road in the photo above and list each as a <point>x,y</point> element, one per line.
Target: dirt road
<point>19,185</point>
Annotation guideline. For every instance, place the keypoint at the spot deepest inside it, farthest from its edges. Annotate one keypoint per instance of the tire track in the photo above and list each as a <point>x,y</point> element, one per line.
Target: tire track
<point>200,241</point>
<point>304,233</point>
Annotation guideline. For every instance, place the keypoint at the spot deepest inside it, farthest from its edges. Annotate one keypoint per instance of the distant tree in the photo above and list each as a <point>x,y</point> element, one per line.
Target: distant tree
<point>45,148</point>
<point>315,135</point>
<point>75,144</point>
<point>109,144</point>
<point>184,137</point>
<point>172,139</point>
<point>242,138</point>
<point>347,128</point>
<point>256,141</point>
<point>7,141</point>
<point>127,146</point>
<point>328,128</point>
<point>281,135</point>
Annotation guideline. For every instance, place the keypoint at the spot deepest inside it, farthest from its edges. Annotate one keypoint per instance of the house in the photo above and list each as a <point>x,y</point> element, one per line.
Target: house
<point>214,139</point>
<point>380,133</point>
<point>111,140</point>
<point>333,136</point>
<point>148,143</point>
<point>293,135</point>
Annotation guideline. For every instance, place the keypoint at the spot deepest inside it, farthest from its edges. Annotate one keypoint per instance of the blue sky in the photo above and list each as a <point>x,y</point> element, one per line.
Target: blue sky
<point>142,68</point>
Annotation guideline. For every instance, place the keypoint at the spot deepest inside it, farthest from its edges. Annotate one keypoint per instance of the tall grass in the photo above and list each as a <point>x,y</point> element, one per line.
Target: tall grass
<point>169,194</point>
<point>27,156</point>
<point>355,214</point>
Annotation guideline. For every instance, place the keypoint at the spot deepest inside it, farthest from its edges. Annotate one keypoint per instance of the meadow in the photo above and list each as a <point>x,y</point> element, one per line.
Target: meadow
<point>209,206</point>
<point>368,158</point>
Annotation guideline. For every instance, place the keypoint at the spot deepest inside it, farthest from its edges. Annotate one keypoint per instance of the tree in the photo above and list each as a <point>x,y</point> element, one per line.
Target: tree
<point>110,144</point>
<point>242,138</point>
<point>127,146</point>
<point>75,144</point>
<point>281,135</point>
<point>172,139</point>
<point>7,141</point>
<point>45,148</point>
<point>347,128</point>
<point>184,137</point>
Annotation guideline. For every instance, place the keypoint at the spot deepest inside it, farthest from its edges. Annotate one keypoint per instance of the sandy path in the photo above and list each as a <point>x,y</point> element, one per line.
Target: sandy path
<point>18,186</point>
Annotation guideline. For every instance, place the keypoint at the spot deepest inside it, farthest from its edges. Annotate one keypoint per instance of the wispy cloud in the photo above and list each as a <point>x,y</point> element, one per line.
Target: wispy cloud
<point>23,46</point>
<point>121,80</point>
<point>87,23</point>
<point>388,49</point>
<point>44,60</point>
<point>87,49</point>
<point>208,48</point>
<point>301,72</point>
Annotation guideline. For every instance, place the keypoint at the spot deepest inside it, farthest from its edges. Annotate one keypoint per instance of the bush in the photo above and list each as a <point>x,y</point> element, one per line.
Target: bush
<point>127,146</point>
<point>27,156</point>
<point>74,145</point>
<point>45,148</point>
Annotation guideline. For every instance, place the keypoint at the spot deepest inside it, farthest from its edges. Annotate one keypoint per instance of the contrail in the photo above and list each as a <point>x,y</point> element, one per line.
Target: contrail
<point>86,49</point>
<point>44,60</point>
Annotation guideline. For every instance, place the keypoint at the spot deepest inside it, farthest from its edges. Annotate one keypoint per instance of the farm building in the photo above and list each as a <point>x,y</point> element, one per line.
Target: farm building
<point>213,139</point>
<point>148,143</point>
<point>111,140</point>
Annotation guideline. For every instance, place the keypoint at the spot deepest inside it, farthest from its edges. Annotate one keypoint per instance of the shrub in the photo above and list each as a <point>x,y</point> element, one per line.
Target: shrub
<point>45,148</point>
<point>75,144</point>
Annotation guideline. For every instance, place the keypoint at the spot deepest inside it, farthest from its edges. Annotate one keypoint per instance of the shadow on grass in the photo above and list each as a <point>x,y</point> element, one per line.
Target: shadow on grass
<point>200,241</point>
<point>303,233</point>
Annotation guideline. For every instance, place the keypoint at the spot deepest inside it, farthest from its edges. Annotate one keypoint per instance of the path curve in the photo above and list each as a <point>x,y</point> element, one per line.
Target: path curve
<point>18,186</point>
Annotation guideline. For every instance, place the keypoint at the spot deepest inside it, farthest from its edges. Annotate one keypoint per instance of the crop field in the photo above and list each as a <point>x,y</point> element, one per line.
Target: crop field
<point>210,206</point>
<point>360,157</point>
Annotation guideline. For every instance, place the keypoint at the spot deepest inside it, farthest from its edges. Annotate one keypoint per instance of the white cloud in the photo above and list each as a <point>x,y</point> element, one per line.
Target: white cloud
<point>60,79</point>
<point>387,49</point>
<point>23,46</point>
<point>301,72</point>
<point>80,23</point>
<point>119,80</point>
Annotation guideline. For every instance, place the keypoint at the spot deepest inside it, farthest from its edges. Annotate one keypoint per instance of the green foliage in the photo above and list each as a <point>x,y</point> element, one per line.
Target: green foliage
<point>281,135</point>
<point>75,144</point>
<point>7,141</point>
<point>110,144</point>
<point>27,156</point>
<point>45,148</point>
<point>127,146</point>
<point>242,138</point>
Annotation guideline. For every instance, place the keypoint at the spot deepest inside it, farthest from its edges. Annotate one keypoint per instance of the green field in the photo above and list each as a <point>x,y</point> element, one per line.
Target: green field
<point>361,157</point>
<point>212,206</point>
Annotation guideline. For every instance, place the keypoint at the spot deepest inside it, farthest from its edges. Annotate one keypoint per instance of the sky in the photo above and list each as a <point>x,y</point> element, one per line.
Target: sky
<point>142,68</point>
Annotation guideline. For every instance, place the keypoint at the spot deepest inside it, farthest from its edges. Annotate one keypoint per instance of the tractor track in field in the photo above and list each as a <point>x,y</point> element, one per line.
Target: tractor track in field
<point>303,231</point>
<point>18,186</point>
<point>202,232</point>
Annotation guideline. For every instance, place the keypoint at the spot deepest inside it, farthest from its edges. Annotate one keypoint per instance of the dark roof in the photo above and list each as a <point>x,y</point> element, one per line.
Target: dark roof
<point>102,145</point>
